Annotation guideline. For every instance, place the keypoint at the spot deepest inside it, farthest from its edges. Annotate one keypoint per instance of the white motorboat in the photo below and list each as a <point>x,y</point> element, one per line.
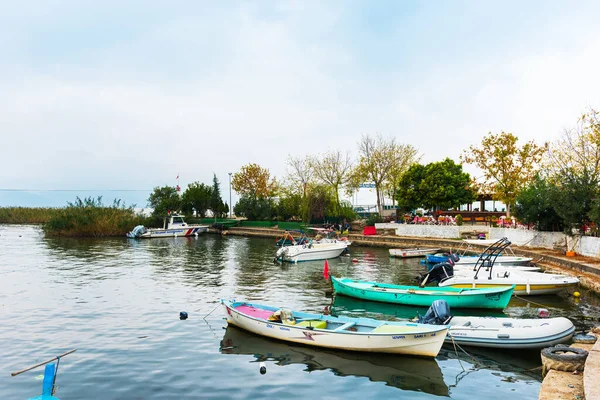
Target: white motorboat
<point>526,282</point>
<point>505,333</point>
<point>173,226</point>
<point>342,333</point>
<point>412,252</point>
<point>310,252</point>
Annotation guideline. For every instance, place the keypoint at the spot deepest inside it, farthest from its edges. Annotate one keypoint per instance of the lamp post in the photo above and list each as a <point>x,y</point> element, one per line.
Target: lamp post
<point>230,206</point>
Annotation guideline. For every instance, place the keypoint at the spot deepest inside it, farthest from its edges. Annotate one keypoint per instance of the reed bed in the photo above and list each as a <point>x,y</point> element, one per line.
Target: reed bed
<point>26,215</point>
<point>90,218</point>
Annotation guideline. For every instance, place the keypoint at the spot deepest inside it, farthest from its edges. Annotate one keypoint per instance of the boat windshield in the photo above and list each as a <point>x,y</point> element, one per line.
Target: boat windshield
<point>177,220</point>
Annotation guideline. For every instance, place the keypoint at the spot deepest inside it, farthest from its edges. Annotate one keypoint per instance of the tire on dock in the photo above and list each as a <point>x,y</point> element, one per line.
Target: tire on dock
<point>563,358</point>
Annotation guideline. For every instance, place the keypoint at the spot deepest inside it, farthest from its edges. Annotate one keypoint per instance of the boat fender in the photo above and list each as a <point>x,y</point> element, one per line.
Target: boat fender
<point>528,287</point>
<point>183,315</point>
<point>581,338</point>
<point>556,358</point>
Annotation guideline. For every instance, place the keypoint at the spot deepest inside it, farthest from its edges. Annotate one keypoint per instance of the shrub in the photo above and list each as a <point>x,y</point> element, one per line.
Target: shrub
<point>90,218</point>
<point>373,219</point>
<point>459,219</point>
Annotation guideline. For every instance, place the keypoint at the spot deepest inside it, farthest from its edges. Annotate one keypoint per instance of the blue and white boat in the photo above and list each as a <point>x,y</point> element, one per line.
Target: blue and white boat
<point>173,226</point>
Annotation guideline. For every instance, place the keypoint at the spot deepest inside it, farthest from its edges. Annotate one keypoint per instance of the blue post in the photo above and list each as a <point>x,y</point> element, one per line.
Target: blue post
<point>48,380</point>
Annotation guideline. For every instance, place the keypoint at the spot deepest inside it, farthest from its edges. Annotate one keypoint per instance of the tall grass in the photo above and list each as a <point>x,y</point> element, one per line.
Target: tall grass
<point>90,218</point>
<point>24,215</point>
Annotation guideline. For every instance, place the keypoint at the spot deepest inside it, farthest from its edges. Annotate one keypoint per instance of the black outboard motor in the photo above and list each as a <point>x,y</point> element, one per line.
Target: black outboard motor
<point>438,314</point>
<point>438,273</point>
<point>453,257</point>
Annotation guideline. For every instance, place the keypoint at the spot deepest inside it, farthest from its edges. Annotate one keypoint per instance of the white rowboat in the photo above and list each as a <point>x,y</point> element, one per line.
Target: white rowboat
<point>343,333</point>
<point>412,252</point>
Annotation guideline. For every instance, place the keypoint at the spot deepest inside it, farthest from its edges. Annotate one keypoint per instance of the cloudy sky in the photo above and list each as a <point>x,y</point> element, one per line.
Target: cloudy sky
<point>117,95</point>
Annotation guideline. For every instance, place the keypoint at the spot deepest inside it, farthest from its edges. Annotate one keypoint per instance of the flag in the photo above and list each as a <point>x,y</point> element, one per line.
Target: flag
<point>177,176</point>
<point>326,271</point>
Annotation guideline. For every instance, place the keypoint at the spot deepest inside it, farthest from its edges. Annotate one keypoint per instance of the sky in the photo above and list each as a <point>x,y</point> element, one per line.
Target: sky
<point>101,97</point>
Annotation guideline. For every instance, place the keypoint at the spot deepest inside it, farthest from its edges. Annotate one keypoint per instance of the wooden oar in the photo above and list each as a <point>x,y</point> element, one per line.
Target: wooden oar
<point>42,363</point>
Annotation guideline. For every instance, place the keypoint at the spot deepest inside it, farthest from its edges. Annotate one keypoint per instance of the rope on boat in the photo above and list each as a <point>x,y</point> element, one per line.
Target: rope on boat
<point>456,351</point>
<point>204,318</point>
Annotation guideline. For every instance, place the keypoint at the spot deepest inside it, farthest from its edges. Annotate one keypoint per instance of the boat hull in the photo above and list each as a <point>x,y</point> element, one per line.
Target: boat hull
<point>410,253</point>
<point>314,252</point>
<point>412,339</point>
<point>494,298</point>
<point>509,333</point>
<point>526,283</point>
<point>175,232</point>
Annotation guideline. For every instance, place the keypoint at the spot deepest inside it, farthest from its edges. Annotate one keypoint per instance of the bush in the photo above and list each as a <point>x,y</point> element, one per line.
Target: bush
<point>459,219</point>
<point>24,215</point>
<point>373,219</point>
<point>90,218</point>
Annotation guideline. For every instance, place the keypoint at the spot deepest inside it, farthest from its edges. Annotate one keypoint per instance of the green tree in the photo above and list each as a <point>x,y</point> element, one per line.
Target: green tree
<point>217,206</point>
<point>446,186</point>
<point>253,208</point>
<point>507,168</point>
<point>535,205</point>
<point>573,166</point>
<point>321,203</point>
<point>382,161</point>
<point>197,197</point>
<point>164,199</point>
<point>410,193</point>
<point>290,206</point>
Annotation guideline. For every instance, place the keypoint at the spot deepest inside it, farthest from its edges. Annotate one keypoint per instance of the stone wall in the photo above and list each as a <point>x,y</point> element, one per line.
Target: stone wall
<point>586,246</point>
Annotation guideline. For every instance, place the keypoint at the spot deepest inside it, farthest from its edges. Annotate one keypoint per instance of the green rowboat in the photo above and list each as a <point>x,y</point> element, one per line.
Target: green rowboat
<point>497,297</point>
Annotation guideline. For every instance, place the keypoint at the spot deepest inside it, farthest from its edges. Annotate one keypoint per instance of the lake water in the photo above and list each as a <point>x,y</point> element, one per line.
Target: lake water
<point>117,301</point>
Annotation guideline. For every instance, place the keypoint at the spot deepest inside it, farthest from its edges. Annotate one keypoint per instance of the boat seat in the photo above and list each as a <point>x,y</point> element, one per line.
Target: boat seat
<point>345,326</point>
<point>313,323</point>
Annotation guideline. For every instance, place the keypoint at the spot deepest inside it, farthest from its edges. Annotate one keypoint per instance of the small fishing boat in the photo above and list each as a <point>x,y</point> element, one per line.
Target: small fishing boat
<point>496,298</point>
<point>173,226</point>
<point>310,252</point>
<point>342,333</point>
<point>412,252</point>
<point>505,333</point>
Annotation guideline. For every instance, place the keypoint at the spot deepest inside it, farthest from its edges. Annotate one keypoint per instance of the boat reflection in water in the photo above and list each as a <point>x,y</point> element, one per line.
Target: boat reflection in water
<point>406,373</point>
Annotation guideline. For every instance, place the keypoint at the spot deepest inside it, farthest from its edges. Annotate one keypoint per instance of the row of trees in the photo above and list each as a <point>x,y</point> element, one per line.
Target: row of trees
<point>196,200</point>
<point>552,185</point>
<point>565,193</point>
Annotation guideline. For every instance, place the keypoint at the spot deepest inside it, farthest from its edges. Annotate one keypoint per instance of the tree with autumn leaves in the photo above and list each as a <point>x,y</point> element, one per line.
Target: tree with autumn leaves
<point>507,168</point>
<point>256,189</point>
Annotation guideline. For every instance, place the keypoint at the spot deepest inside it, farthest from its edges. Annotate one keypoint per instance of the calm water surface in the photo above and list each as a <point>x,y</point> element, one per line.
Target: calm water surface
<point>117,301</point>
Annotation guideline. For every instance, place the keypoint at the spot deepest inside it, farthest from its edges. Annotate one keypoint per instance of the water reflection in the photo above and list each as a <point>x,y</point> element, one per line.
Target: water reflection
<point>407,373</point>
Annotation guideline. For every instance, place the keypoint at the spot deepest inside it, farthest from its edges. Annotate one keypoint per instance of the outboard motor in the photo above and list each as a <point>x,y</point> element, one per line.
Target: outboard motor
<point>438,314</point>
<point>453,257</point>
<point>137,232</point>
<point>438,273</point>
